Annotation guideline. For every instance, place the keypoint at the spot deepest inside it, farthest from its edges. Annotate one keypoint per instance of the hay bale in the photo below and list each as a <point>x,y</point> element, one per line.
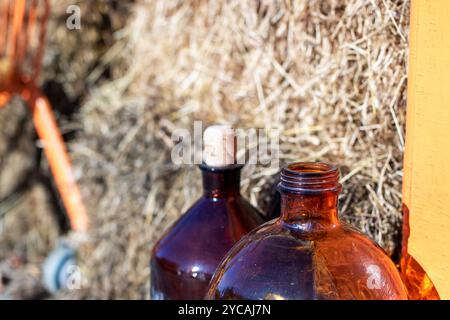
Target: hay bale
<point>330,75</point>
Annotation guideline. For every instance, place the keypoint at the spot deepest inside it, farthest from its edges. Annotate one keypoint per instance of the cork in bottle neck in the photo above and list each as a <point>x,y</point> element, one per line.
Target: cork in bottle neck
<point>221,175</point>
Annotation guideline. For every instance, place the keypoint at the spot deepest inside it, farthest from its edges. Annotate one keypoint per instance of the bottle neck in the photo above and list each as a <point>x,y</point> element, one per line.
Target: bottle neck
<point>309,197</point>
<point>221,182</point>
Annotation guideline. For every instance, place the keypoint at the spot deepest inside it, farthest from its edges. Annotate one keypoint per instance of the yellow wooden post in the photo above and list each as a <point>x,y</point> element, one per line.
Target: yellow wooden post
<point>426,185</point>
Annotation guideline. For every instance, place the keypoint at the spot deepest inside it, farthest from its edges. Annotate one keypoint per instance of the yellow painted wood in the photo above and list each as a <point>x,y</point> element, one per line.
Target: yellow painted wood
<point>426,185</point>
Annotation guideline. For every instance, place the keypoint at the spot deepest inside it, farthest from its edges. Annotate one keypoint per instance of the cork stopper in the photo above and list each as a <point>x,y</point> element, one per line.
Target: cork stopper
<point>219,146</point>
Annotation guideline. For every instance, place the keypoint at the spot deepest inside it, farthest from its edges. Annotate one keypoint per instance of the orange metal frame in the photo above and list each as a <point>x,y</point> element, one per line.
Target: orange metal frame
<point>22,39</point>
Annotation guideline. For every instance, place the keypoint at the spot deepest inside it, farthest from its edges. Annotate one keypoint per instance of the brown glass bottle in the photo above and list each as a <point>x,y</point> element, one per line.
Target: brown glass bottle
<point>184,260</point>
<point>417,282</point>
<point>307,253</point>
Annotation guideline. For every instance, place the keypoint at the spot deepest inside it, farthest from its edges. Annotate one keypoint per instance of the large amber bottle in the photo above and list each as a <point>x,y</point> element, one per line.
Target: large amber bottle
<point>307,253</point>
<point>185,259</point>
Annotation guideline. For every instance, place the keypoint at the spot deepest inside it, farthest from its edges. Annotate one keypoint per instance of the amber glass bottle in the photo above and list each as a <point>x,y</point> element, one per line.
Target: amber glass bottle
<point>307,253</point>
<point>417,282</point>
<point>184,260</point>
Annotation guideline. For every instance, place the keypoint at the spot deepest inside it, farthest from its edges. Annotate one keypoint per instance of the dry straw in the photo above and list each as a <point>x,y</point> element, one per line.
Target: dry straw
<point>329,75</point>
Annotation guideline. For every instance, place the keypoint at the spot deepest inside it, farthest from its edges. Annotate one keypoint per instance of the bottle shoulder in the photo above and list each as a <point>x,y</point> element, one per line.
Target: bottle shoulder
<point>342,238</point>
<point>332,265</point>
<point>209,228</point>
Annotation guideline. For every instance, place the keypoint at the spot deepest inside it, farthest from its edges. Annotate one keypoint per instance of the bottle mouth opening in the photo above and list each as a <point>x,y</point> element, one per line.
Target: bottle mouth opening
<point>309,177</point>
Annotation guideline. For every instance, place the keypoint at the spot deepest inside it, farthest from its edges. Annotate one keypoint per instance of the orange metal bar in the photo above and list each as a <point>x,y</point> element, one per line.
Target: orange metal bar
<point>37,65</point>
<point>4,20</point>
<point>59,162</point>
<point>32,19</point>
<point>18,17</point>
<point>5,63</point>
<point>22,36</point>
